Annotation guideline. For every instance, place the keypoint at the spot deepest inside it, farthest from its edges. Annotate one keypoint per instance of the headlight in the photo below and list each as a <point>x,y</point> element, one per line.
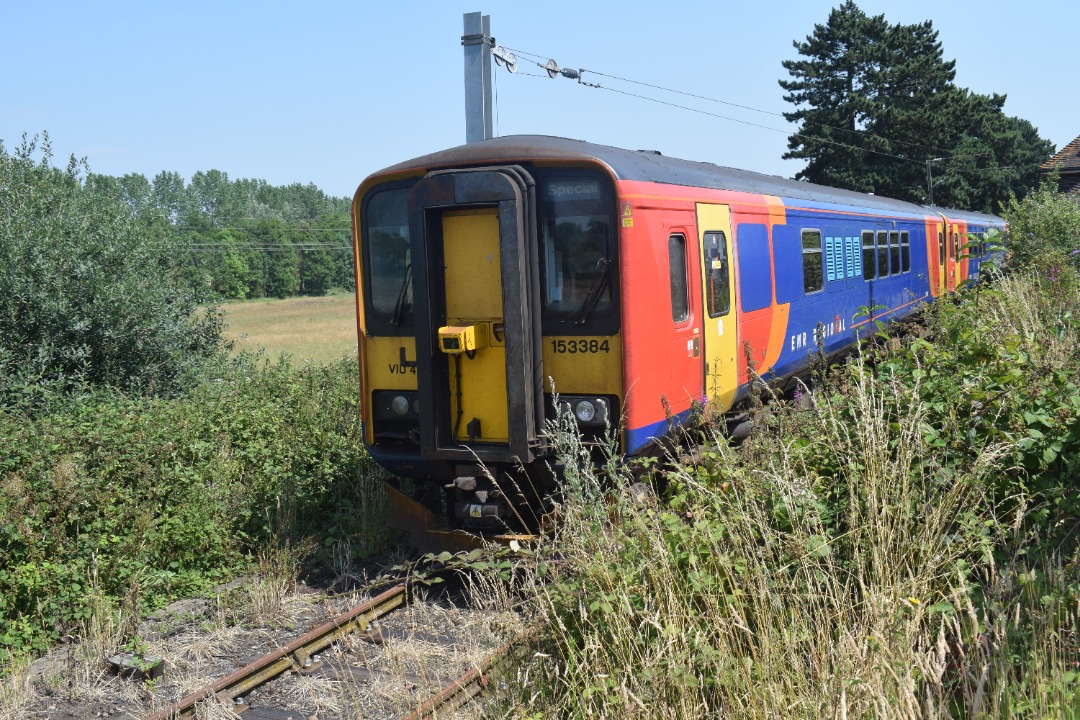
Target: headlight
<point>585,411</point>
<point>395,406</point>
<point>588,412</point>
<point>400,405</point>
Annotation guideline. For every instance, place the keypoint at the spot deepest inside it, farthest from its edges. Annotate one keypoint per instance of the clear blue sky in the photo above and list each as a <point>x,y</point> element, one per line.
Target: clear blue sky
<point>328,92</point>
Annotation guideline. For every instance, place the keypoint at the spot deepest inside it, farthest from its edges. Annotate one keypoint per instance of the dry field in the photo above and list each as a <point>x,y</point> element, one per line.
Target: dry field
<point>311,329</point>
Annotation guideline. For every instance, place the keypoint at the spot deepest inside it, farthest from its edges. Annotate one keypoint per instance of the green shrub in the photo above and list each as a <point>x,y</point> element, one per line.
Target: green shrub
<point>1044,230</point>
<point>159,498</point>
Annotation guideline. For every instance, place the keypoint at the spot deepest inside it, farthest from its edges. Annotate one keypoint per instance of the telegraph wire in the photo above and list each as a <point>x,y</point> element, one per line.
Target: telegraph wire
<point>307,246</point>
<point>861,133</point>
<point>758,125</point>
<point>721,102</point>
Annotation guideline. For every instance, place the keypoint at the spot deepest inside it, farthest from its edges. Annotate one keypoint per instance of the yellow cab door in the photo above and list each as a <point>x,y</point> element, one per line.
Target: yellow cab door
<point>719,328</point>
<point>478,364</point>
<point>474,302</point>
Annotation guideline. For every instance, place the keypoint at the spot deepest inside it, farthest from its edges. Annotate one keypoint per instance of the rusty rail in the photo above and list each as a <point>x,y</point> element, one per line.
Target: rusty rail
<point>470,684</point>
<point>294,656</point>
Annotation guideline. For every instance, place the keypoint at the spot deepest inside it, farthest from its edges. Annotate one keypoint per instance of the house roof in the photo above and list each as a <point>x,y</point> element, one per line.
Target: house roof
<point>1066,160</point>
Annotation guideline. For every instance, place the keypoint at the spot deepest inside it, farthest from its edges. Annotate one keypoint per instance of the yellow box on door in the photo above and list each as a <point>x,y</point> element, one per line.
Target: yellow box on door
<point>454,339</point>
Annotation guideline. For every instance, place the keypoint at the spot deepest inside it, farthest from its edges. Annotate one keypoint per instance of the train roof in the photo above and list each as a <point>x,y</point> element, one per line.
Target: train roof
<point>967,216</point>
<point>650,166</point>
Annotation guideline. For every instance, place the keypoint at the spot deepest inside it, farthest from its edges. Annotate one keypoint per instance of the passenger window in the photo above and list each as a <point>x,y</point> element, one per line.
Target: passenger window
<point>941,247</point>
<point>868,262</point>
<point>680,297</point>
<point>905,251</point>
<point>717,275</point>
<point>882,254</point>
<point>894,252</point>
<point>813,270</point>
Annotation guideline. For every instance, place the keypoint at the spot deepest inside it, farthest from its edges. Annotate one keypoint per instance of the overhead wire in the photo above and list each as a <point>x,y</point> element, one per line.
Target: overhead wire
<point>835,143</point>
<point>757,125</point>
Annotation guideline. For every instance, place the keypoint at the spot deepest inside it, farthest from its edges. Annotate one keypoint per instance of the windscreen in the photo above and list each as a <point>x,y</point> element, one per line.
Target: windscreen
<point>577,237</point>
<point>388,260</point>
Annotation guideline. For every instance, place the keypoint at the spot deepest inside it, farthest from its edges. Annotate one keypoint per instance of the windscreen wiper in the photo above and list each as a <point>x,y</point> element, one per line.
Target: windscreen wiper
<point>402,298</point>
<point>592,298</point>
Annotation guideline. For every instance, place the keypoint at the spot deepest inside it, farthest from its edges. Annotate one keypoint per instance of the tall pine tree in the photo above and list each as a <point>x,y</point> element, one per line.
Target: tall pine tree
<point>876,104</point>
<point>833,100</point>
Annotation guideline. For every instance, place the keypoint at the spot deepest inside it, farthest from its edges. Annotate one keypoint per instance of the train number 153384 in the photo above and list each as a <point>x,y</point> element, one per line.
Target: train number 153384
<point>580,347</point>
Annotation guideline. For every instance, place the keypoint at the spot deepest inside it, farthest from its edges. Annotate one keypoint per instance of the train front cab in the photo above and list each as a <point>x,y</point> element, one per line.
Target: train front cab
<point>482,287</point>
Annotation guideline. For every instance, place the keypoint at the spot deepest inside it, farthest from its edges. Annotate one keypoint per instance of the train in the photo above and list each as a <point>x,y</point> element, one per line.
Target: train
<point>508,282</point>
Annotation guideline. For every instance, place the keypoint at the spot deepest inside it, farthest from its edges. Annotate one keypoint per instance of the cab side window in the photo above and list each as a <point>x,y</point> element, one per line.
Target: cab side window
<point>680,295</point>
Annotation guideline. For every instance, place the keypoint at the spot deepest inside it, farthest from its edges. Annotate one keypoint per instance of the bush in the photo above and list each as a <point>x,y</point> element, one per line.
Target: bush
<point>1044,230</point>
<point>159,498</point>
<point>89,296</point>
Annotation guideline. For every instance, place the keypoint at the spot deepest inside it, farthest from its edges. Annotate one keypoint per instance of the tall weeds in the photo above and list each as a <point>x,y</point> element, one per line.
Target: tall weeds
<point>864,556</point>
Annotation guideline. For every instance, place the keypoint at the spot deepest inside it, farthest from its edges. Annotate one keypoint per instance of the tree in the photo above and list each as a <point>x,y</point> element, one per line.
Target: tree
<point>876,104</point>
<point>282,260</point>
<point>1044,229</point>
<point>87,296</point>
<point>212,195</point>
<point>834,102</point>
<point>994,156</point>
<point>136,191</point>
<point>231,271</point>
<point>169,195</point>
<point>242,238</point>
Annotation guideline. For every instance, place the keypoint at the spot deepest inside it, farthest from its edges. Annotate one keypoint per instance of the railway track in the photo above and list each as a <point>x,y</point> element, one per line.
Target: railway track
<point>352,654</point>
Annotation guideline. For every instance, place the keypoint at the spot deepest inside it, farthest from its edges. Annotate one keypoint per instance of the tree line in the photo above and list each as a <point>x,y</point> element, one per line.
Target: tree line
<point>240,239</point>
<point>878,111</point>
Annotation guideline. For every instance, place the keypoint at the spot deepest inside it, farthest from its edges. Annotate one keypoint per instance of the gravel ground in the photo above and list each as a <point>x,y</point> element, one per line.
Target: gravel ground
<point>425,645</point>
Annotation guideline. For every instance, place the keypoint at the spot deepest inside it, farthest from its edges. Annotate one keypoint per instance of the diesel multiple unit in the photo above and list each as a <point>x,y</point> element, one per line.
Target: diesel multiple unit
<point>498,276</point>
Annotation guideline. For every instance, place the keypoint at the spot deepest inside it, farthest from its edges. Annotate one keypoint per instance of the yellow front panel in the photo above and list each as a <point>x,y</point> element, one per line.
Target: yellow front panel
<point>583,365</point>
<point>483,394</point>
<point>473,273</point>
<point>389,364</point>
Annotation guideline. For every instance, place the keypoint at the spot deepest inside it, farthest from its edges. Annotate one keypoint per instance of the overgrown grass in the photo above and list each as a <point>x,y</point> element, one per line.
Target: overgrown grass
<point>145,500</point>
<point>903,545</point>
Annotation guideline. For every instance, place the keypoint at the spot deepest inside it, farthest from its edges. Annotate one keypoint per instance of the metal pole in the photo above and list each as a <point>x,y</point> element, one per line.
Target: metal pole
<point>477,44</point>
<point>929,183</point>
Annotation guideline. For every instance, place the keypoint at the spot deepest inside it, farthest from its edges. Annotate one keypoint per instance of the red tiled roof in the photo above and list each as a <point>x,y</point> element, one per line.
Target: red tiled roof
<point>1066,160</point>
